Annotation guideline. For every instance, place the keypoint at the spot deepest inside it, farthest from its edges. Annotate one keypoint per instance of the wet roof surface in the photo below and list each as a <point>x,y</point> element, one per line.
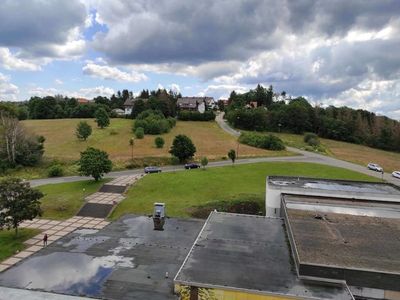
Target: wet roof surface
<point>333,185</point>
<point>125,260</point>
<point>346,241</point>
<point>249,252</point>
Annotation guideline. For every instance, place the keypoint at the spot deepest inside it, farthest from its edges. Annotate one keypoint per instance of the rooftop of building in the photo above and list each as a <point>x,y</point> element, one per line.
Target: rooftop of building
<point>333,185</point>
<point>353,241</point>
<point>242,252</point>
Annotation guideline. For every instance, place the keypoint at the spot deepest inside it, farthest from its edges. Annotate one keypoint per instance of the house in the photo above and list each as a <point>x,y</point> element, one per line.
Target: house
<point>195,103</point>
<point>118,112</point>
<point>128,106</point>
<point>82,100</point>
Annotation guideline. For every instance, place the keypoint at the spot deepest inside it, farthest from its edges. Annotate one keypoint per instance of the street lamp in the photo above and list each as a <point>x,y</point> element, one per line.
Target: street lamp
<point>131,143</point>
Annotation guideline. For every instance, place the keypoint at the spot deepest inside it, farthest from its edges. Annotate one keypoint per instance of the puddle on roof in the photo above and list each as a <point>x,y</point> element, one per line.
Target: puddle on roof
<point>70,273</point>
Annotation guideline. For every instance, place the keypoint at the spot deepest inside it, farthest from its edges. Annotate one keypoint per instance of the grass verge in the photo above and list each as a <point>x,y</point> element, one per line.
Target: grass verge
<point>63,201</point>
<point>10,243</point>
<point>181,191</point>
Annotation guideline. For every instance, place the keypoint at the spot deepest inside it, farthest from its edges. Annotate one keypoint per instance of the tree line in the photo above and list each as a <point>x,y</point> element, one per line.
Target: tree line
<point>298,116</point>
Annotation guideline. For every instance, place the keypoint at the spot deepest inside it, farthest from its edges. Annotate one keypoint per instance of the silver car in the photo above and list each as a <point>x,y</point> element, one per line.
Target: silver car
<point>375,167</point>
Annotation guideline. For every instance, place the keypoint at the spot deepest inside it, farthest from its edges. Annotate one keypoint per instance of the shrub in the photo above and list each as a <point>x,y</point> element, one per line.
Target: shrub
<point>154,122</point>
<point>139,132</point>
<point>102,118</point>
<point>269,142</point>
<point>309,136</point>
<point>113,132</point>
<point>55,171</point>
<point>159,142</point>
<point>196,116</point>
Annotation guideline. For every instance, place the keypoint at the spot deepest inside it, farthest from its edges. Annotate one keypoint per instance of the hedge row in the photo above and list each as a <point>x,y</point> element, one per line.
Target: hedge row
<point>269,142</point>
<point>196,116</point>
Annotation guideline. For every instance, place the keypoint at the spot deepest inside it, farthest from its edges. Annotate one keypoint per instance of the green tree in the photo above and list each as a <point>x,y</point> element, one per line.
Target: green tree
<point>182,147</point>
<point>139,132</point>
<point>95,163</point>
<point>102,118</point>
<point>232,155</point>
<point>83,130</point>
<point>204,162</point>
<point>159,142</point>
<point>18,202</point>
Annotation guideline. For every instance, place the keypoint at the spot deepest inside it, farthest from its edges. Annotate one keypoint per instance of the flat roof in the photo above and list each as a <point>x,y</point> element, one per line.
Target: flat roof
<point>125,260</point>
<point>363,250</point>
<point>333,185</point>
<point>243,252</point>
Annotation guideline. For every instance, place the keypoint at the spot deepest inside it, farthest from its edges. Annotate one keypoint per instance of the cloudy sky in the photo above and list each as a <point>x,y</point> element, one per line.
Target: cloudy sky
<point>337,52</point>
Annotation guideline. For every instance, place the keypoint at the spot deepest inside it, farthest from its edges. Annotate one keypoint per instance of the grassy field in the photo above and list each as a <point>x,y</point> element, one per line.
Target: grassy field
<point>10,243</point>
<point>63,201</point>
<point>182,190</point>
<point>358,154</point>
<point>62,144</point>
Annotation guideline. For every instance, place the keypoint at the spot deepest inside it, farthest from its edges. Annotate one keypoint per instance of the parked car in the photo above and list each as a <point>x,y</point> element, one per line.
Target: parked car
<point>375,167</point>
<point>192,165</point>
<point>396,174</point>
<point>152,169</point>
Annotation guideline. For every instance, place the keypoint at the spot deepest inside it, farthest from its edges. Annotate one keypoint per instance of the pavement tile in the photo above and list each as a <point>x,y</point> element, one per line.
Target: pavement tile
<point>50,231</point>
<point>33,248</point>
<point>23,254</point>
<point>31,242</point>
<point>58,227</point>
<point>45,226</point>
<point>11,261</point>
<point>3,267</point>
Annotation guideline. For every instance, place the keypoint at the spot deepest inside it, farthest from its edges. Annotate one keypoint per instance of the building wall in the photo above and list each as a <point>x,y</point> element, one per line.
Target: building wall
<point>128,110</point>
<point>201,293</point>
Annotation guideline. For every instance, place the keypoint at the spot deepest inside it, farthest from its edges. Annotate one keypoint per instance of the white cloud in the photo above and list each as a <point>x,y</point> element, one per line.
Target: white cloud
<point>175,88</point>
<point>90,92</point>
<point>11,62</point>
<point>8,91</point>
<point>58,81</point>
<point>112,73</point>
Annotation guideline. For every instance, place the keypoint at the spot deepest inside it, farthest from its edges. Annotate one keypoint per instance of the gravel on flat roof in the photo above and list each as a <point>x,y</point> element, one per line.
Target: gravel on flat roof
<point>249,252</point>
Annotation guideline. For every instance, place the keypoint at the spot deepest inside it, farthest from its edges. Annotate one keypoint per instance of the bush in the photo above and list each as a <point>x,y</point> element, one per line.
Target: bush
<point>113,132</point>
<point>83,130</point>
<point>269,142</point>
<point>139,132</point>
<point>311,139</point>
<point>55,171</point>
<point>196,116</point>
<point>159,142</point>
<point>154,122</point>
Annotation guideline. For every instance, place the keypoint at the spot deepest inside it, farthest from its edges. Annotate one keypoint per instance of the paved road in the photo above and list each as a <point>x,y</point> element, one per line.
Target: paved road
<point>307,156</point>
<point>302,156</point>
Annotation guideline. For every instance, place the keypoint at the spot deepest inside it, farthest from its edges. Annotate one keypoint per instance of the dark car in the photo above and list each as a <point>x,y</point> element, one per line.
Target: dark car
<point>192,166</point>
<point>152,169</point>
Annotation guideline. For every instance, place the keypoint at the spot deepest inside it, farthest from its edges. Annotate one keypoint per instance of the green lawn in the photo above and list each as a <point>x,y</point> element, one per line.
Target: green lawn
<point>63,201</point>
<point>10,243</point>
<point>182,190</point>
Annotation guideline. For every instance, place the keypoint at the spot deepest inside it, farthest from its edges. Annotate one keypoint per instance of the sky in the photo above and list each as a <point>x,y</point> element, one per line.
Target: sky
<point>336,52</point>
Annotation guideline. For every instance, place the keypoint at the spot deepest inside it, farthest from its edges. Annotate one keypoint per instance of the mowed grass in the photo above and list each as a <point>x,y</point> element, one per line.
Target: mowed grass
<point>62,144</point>
<point>359,154</point>
<point>10,243</point>
<point>63,200</point>
<point>185,189</point>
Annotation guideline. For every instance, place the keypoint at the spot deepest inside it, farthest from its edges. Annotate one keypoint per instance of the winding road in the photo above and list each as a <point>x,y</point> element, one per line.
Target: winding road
<point>303,156</point>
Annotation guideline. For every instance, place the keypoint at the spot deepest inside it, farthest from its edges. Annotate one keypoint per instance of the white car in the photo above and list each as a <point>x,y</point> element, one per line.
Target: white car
<point>396,174</point>
<point>375,167</point>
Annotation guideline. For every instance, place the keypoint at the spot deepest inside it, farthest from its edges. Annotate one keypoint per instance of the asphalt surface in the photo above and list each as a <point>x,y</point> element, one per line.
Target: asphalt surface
<point>301,156</point>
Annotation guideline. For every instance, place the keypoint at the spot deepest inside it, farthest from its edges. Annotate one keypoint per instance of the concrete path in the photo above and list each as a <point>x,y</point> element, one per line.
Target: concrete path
<point>18,294</point>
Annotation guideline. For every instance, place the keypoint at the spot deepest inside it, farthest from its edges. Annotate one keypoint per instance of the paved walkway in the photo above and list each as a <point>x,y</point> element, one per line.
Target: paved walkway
<point>58,229</point>
<point>11,293</point>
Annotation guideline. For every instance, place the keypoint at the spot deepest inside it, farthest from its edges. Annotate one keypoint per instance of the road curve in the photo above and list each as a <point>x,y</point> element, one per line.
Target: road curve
<point>307,156</point>
<point>303,156</point>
